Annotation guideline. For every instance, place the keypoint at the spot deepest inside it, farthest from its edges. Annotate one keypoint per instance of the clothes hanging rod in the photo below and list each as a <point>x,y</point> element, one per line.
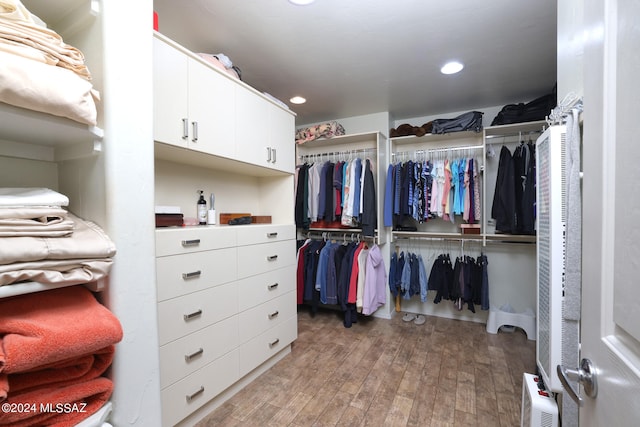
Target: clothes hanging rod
<point>511,135</point>
<point>338,153</point>
<point>438,150</point>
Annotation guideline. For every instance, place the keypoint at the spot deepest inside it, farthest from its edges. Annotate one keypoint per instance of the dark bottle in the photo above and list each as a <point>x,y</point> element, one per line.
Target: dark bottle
<point>202,209</point>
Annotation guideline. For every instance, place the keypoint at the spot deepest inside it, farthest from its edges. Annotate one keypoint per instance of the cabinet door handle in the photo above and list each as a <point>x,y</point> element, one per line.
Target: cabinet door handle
<point>275,234</point>
<point>192,315</point>
<point>268,154</point>
<point>198,352</point>
<point>272,287</point>
<point>273,155</point>
<point>273,344</point>
<point>193,242</point>
<point>272,258</point>
<point>191,275</point>
<point>185,128</point>
<point>274,314</point>
<point>193,395</point>
<point>195,131</point>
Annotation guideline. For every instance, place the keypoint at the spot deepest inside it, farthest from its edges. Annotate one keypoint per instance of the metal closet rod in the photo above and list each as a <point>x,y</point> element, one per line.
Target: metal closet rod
<point>438,150</point>
<point>338,153</point>
<point>519,134</point>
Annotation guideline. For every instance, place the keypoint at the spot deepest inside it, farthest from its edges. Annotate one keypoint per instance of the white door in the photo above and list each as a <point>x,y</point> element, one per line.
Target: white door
<point>610,325</point>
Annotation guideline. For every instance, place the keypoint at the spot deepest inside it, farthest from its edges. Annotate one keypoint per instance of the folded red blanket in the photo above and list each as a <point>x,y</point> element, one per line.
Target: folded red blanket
<point>56,407</point>
<point>43,328</point>
<point>59,374</point>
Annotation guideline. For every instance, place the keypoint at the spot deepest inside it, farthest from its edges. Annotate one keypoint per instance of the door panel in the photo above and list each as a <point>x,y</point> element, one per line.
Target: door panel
<point>610,326</point>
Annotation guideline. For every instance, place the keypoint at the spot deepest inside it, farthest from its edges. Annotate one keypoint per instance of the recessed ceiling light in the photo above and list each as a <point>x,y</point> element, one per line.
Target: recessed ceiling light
<point>301,2</point>
<point>451,67</point>
<point>297,100</point>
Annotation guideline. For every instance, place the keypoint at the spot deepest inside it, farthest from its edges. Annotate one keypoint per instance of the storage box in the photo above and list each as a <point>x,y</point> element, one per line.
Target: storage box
<point>261,219</point>
<point>226,217</point>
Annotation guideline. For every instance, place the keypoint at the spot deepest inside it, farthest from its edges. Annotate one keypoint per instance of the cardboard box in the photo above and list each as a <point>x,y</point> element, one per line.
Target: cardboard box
<point>261,219</point>
<point>226,217</point>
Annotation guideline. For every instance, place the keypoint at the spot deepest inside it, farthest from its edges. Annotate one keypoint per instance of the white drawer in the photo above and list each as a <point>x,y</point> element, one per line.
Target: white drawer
<point>256,234</point>
<point>261,348</point>
<point>255,321</point>
<point>182,274</point>
<point>188,354</point>
<point>257,289</point>
<point>182,398</point>
<point>178,317</point>
<point>258,259</point>
<point>176,241</point>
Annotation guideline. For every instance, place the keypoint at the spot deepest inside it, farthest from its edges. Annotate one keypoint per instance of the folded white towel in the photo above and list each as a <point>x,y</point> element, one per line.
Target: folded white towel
<point>27,196</point>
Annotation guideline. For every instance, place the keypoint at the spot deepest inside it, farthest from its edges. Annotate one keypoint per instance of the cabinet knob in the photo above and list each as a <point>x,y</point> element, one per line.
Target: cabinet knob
<point>272,287</point>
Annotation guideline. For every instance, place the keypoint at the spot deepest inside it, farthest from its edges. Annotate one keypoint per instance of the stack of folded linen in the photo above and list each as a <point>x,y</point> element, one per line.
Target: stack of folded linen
<point>42,242</point>
<point>54,349</point>
<point>39,71</point>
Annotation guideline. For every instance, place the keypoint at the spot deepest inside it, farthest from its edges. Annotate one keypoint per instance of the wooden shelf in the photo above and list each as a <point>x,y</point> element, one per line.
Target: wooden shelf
<point>42,136</point>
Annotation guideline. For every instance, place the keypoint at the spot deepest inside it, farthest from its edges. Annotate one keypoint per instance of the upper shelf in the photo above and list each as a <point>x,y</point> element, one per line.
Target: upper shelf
<point>39,136</point>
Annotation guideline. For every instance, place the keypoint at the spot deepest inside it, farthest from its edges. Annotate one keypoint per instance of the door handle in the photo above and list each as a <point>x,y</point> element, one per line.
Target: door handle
<point>585,375</point>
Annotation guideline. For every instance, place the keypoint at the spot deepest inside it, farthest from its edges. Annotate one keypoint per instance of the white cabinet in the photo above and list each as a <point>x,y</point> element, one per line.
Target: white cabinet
<point>194,104</point>
<point>216,328</point>
<point>265,132</point>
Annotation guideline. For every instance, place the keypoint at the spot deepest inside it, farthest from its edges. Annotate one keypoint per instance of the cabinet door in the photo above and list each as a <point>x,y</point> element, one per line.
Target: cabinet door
<point>170,88</point>
<point>252,128</point>
<point>211,111</point>
<point>282,139</point>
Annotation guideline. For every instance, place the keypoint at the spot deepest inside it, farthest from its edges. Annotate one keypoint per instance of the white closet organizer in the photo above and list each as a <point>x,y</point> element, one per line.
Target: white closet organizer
<point>371,145</point>
<point>226,294</point>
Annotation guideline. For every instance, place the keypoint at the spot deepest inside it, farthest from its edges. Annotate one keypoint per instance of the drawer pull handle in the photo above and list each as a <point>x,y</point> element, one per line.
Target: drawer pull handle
<point>191,275</point>
<point>273,344</point>
<point>272,258</point>
<point>188,357</point>
<point>185,128</point>
<point>192,315</point>
<point>274,314</point>
<point>193,242</point>
<point>195,394</point>
<point>275,234</point>
<point>272,287</point>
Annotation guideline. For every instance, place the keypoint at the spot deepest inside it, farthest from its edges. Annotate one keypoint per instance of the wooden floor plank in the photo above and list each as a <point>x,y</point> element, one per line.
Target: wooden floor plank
<point>387,373</point>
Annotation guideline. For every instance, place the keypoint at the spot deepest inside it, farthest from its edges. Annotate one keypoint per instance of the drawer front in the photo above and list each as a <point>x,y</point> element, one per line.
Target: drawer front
<point>183,274</point>
<point>257,234</point>
<point>259,259</point>
<point>255,290</point>
<point>265,316</point>
<point>178,317</point>
<point>186,355</point>
<point>261,348</point>
<point>186,240</point>
<point>187,395</point>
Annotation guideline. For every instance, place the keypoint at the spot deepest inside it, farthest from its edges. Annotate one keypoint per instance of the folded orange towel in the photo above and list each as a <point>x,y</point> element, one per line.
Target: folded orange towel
<point>46,327</point>
<point>59,374</point>
<point>57,407</point>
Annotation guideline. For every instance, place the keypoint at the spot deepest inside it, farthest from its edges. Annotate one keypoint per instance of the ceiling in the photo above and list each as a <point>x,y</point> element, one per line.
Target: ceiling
<point>356,57</point>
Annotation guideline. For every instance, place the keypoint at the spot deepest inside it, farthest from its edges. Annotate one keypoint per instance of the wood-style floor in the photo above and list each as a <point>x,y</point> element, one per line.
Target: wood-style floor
<point>387,373</point>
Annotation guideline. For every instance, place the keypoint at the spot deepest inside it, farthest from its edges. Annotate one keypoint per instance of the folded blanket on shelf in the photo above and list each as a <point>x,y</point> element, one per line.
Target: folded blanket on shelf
<point>88,241</point>
<point>61,407</point>
<point>16,197</point>
<point>48,327</point>
<point>35,222</point>
<point>59,374</point>
<point>323,130</point>
<point>58,272</point>
<point>41,87</point>
<point>20,29</point>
